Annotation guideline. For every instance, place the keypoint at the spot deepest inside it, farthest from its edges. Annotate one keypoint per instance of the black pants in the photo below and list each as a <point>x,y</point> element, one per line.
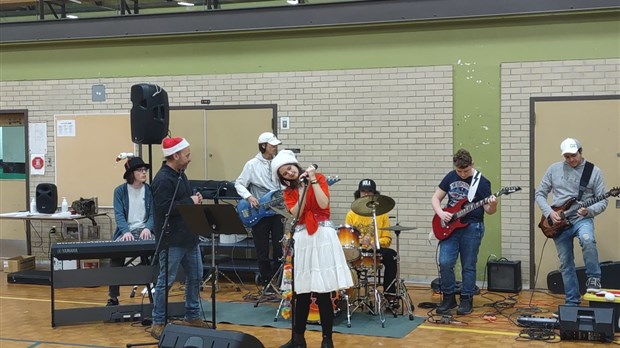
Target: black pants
<point>268,227</point>
<point>388,259</point>
<point>326,310</point>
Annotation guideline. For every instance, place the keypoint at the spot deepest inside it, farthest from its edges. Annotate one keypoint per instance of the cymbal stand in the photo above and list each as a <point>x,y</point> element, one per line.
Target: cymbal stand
<point>277,279</point>
<point>375,247</point>
<point>401,290</point>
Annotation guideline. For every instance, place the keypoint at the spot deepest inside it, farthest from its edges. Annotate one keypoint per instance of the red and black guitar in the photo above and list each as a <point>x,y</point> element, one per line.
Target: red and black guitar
<point>443,230</point>
<point>551,230</point>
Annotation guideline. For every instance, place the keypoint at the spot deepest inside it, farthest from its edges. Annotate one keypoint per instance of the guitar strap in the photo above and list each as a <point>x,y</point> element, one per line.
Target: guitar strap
<point>585,178</point>
<point>474,186</point>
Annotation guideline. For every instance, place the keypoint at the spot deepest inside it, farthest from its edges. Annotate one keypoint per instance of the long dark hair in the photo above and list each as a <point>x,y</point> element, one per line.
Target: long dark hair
<point>356,194</point>
<point>289,183</point>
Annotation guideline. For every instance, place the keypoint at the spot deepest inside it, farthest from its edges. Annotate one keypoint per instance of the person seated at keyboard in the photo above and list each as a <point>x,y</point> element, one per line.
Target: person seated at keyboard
<point>133,212</point>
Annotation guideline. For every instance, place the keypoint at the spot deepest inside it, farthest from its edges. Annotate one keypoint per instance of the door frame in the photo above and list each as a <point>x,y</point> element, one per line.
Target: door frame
<point>24,112</point>
<point>533,101</point>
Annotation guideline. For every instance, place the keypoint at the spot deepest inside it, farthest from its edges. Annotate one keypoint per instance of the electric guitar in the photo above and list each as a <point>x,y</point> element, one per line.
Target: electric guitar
<point>270,204</point>
<point>443,230</point>
<point>568,209</point>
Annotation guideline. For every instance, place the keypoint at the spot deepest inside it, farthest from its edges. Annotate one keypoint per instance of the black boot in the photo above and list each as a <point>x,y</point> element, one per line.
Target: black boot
<point>466,305</point>
<point>448,302</point>
<point>298,341</point>
<point>327,342</point>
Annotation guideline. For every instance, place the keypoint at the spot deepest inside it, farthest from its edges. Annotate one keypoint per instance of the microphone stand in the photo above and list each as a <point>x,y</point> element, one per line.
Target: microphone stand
<point>165,234</point>
<point>292,246</point>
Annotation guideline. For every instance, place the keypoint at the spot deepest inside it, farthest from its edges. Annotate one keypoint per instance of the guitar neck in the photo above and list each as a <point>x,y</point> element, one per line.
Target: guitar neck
<point>593,200</point>
<point>471,207</point>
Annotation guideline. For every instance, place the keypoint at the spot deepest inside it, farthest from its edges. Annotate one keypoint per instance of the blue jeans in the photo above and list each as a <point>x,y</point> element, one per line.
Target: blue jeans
<point>584,231</point>
<point>191,260</point>
<point>466,242</point>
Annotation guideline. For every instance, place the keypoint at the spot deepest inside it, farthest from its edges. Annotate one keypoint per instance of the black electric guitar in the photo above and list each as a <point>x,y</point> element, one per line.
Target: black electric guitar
<point>568,209</point>
<point>268,205</point>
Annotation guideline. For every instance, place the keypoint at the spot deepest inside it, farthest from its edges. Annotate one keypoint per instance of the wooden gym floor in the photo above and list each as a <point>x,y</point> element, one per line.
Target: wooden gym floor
<point>25,321</point>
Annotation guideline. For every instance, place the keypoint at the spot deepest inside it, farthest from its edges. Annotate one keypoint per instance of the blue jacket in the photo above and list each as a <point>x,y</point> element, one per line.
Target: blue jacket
<point>121,209</point>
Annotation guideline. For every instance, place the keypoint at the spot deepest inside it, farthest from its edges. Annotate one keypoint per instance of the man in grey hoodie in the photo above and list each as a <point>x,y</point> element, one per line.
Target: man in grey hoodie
<point>562,180</point>
<point>255,181</point>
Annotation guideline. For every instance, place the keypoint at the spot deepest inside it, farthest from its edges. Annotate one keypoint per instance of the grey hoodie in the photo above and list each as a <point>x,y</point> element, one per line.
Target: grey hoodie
<point>562,181</point>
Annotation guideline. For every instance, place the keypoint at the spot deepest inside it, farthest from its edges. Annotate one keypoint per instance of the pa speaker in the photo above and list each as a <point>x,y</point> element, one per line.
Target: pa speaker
<point>46,197</point>
<point>586,323</point>
<point>149,114</point>
<point>504,276</point>
<point>178,336</point>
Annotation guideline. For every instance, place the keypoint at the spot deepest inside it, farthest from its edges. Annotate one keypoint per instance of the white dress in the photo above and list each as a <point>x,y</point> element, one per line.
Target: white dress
<point>319,262</point>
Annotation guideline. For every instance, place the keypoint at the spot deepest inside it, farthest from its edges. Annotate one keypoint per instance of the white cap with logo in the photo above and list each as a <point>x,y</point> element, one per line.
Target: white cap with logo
<point>570,145</point>
<point>270,138</point>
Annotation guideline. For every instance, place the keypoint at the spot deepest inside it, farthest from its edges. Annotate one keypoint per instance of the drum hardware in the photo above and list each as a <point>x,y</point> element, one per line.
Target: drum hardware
<point>276,279</point>
<point>373,205</point>
<point>401,293</point>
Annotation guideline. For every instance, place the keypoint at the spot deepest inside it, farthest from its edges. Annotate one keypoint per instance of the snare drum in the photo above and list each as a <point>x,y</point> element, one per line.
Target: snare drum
<point>349,238</point>
<point>367,261</point>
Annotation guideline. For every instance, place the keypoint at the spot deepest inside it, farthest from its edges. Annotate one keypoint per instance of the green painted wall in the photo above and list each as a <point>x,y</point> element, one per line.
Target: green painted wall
<point>475,49</point>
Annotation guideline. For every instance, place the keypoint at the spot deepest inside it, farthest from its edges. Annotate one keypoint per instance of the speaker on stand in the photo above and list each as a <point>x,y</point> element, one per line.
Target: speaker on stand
<point>46,198</point>
<point>150,116</point>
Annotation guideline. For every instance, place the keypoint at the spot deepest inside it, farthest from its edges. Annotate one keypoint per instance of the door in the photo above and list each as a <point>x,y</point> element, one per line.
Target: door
<point>596,124</point>
<point>221,139</point>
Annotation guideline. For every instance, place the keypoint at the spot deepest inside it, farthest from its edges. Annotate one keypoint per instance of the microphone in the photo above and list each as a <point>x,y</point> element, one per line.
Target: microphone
<point>304,176</point>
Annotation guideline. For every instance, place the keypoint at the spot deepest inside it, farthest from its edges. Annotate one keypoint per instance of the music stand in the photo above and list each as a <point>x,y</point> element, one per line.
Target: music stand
<point>209,219</point>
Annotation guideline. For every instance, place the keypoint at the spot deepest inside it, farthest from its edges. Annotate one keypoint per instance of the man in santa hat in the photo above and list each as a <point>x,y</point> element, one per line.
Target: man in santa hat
<point>183,245</point>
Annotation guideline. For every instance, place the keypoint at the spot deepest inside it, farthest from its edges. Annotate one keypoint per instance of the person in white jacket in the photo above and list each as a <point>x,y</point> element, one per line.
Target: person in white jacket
<point>254,182</point>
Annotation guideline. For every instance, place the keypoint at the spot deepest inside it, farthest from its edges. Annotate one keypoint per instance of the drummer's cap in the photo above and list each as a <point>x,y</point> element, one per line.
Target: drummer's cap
<point>368,185</point>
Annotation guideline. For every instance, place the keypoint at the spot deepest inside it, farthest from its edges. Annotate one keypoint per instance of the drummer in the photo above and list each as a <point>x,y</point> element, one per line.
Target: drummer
<point>366,229</point>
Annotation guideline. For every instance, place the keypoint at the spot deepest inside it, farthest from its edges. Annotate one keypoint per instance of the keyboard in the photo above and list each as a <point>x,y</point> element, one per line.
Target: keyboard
<point>102,249</point>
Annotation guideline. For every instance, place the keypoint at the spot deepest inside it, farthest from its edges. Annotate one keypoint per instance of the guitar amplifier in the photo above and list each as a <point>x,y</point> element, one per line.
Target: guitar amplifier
<point>609,278</point>
<point>504,276</point>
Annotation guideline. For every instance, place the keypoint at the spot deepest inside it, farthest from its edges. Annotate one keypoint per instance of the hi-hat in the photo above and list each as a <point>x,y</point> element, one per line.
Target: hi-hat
<point>398,228</point>
<point>364,206</point>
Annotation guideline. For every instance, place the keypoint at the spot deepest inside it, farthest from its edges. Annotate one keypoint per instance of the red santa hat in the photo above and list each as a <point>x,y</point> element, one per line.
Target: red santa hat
<point>171,146</point>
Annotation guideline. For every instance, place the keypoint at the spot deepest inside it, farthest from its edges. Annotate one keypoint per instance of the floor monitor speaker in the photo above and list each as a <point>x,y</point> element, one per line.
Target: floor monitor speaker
<point>150,114</point>
<point>586,323</point>
<point>178,336</point>
<point>46,197</point>
<point>504,276</point>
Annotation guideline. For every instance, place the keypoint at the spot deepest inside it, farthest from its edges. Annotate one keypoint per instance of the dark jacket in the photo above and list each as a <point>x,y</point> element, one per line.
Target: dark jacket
<point>163,186</point>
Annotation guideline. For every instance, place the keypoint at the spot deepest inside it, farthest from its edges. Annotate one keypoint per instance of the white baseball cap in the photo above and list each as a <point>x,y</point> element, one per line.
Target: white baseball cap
<point>270,138</point>
<point>570,145</point>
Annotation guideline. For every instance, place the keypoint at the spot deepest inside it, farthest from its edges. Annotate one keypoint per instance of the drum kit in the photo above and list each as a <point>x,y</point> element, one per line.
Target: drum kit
<point>365,262</point>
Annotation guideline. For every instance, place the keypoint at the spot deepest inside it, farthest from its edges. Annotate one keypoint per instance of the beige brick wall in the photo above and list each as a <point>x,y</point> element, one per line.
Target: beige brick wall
<point>390,124</point>
<point>520,82</point>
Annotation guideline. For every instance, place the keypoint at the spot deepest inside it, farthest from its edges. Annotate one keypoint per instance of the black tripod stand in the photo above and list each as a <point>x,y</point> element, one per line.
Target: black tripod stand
<point>208,220</point>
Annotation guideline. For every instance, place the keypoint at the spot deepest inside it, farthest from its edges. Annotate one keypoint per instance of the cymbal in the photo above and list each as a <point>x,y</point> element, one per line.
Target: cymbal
<point>398,228</point>
<point>364,205</point>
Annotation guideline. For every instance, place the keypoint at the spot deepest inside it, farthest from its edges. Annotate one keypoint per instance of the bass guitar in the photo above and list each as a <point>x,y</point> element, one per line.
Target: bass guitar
<point>443,230</point>
<point>270,204</point>
<point>568,209</point>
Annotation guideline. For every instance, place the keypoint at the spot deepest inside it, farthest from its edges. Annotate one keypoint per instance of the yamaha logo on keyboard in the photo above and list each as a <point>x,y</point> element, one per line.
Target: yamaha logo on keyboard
<point>68,251</point>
